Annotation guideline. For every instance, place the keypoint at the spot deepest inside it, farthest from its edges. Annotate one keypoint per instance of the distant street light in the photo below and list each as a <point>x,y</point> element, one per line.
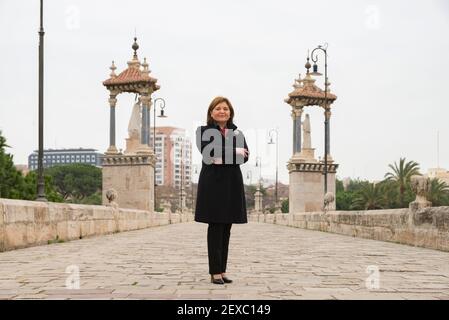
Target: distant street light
<point>249,175</point>
<point>259,164</point>
<point>277,151</point>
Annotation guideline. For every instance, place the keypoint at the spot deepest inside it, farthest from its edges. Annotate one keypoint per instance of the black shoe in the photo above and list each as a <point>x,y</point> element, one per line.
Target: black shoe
<point>226,280</point>
<point>216,281</point>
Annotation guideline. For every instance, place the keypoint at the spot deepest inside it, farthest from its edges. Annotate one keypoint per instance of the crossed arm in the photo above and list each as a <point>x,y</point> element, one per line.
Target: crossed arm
<point>210,144</point>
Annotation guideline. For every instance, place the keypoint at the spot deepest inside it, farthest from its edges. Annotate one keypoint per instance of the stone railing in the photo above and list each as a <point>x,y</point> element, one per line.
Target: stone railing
<point>419,225</point>
<point>426,227</point>
<point>30,223</point>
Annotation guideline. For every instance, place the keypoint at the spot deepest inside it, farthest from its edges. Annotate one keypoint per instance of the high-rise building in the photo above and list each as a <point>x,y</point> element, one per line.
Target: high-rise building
<point>53,157</point>
<point>174,157</point>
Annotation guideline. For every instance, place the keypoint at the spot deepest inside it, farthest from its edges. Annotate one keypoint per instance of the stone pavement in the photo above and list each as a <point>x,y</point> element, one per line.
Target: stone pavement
<point>265,261</point>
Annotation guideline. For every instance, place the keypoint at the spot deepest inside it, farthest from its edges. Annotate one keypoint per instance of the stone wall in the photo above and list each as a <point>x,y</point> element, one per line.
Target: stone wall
<point>132,177</point>
<point>30,223</point>
<point>422,227</point>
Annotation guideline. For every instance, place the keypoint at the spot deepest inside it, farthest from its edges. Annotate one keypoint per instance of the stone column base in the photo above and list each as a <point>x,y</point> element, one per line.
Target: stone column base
<point>306,186</point>
<point>132,176</point>
<point>112,150</point>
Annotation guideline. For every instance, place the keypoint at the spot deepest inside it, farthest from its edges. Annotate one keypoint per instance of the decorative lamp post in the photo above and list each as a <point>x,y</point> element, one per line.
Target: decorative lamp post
<point>326,107</point>
<point>162,115</point>
<point>40,170</point>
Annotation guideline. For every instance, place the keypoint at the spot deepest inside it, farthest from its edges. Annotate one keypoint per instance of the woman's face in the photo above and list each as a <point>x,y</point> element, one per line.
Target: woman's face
<point>221,113</point>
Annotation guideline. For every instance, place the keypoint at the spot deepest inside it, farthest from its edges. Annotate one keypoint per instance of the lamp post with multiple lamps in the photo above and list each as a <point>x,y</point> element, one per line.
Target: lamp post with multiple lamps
<point>277,152</point>
<point>40,170</point>
<point>326,107</point>
<point>162,115</point>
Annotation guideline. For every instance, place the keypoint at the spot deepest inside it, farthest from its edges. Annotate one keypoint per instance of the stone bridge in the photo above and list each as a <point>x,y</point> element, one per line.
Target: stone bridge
<point>266,261</point>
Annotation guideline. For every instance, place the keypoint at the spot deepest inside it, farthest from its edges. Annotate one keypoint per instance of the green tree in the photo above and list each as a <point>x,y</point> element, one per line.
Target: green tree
<point>401,174</point>
<point>29,190</point>
<point>285,206</point>
<point>439,193</point>
<point>11,180</point>
<point>370,197</point>
<point>75,182</point>
<point>14,185</point>
<point>345,198</point>
<point>390,194</point>
<point>95,199</point>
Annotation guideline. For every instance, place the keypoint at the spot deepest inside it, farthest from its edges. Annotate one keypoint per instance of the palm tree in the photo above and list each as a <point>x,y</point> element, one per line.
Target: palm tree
<point>370,197</point>
<point>3,144</point>
<point>439,192</point>
<point>401,175</point>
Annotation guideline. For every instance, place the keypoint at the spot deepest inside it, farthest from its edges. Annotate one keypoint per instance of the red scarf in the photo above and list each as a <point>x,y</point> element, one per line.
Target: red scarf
<point>223,131</point>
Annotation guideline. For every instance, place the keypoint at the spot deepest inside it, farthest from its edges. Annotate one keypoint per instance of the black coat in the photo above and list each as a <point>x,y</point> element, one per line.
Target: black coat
<point>221,194</point>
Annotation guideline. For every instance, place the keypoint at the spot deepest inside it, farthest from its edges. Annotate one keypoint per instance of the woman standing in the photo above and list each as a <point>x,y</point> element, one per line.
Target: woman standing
<point>221,195</point>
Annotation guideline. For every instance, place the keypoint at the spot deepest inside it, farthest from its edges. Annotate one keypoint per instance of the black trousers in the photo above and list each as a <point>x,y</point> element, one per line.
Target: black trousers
<point>217,246</point>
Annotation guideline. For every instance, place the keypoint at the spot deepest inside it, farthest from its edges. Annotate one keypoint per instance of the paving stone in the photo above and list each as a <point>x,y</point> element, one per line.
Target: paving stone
<point>171,262</point>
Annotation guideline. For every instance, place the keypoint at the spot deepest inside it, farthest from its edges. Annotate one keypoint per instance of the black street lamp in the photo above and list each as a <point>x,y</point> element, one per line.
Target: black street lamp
<point>40,169</point>
<point>326,107</point>
<point>259,164</point>
<point>162,115</point>
<point>249,175</point>
<point>277,151</point>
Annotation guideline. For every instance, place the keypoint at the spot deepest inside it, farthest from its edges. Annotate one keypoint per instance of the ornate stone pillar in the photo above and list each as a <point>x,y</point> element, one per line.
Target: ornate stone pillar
<point>145,98</point>
<point>112,103</point>
<point>296,116</point>
<point>150,103</point>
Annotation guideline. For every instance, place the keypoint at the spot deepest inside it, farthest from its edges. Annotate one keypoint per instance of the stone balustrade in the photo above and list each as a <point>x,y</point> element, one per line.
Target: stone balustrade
<point>417,226</point>
<point>30,223</point>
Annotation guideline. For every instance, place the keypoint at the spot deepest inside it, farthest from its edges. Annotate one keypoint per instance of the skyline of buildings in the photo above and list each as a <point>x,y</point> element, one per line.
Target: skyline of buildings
<point>54,157</point>
<point>170,164</point>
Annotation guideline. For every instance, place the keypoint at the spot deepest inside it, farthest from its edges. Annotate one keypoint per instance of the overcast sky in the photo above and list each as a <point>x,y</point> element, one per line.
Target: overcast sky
<point>388,64</point>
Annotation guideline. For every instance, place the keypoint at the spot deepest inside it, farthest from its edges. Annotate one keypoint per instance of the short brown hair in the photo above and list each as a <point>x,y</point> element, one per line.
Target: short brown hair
<point>213,104</point>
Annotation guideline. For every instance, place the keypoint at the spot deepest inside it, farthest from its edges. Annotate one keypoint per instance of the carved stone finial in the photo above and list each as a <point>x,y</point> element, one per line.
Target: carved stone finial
<point>421,187</point>
<point>298,82</point>
<point>308,65</point>
<point>328,199</point>
<point>112,195</point>
<point>145,70</point>
<point>113,67</point>
<point>135,46</point>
